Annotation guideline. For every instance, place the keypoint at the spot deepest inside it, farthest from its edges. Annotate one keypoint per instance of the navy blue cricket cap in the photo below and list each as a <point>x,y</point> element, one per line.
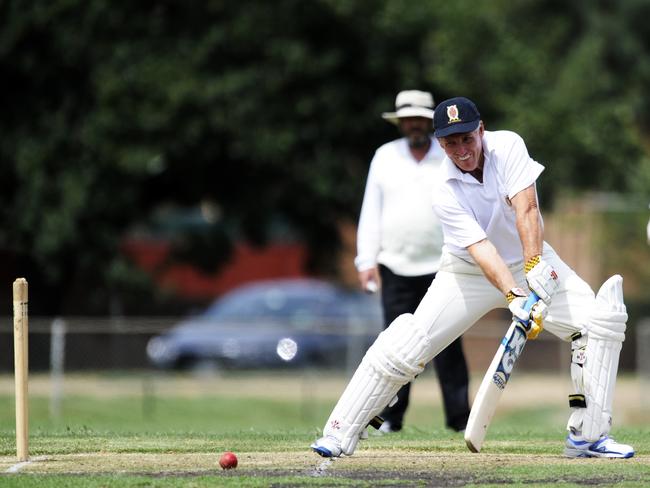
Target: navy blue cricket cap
<point>455,116</point>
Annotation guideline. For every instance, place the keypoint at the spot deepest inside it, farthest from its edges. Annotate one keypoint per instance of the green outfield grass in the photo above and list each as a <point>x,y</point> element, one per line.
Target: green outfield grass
<point>135,430</point>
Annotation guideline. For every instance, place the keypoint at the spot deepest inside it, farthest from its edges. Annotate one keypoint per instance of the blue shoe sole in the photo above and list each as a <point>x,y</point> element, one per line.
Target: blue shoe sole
<point>321,451</point>
<point>577,453</point>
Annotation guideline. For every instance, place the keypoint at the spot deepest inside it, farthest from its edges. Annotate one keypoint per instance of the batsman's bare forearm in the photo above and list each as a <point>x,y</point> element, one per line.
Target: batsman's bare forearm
<point>491,263</point>
<point>529,223</point>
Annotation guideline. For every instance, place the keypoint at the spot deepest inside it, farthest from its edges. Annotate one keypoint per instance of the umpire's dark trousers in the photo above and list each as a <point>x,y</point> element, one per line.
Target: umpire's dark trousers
<point>402,294</point>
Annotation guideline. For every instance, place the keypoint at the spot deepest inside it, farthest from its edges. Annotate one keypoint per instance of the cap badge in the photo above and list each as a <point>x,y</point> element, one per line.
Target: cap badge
<point>452,114</point>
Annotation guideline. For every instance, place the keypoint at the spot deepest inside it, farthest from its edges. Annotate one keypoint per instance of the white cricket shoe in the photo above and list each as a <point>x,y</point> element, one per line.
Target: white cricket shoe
<point>328,446</point>
<point>386,428</point>
<point>605,447</point>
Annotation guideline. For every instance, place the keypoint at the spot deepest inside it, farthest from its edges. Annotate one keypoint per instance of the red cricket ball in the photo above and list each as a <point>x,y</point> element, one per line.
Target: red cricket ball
<point>228,460</point>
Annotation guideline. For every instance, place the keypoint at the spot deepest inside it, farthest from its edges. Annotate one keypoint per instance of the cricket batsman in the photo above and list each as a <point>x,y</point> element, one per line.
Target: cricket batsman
<point>494,254</point>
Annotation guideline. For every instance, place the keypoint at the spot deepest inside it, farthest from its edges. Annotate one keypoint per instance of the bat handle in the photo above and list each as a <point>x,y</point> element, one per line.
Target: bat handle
<point>532,300</point>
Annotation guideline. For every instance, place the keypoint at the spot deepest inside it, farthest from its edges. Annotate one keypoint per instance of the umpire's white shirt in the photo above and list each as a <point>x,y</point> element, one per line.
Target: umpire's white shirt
<point>471,211</point>
<point>397,226</point>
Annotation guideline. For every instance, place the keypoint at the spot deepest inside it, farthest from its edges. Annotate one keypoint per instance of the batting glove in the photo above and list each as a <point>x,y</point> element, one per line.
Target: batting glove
<point>534,319</point>
<point>541,278</point>
<point>537,314</point>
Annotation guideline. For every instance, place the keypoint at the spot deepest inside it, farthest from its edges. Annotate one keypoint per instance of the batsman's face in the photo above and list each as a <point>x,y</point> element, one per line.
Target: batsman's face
<point>416,130</point>
<point>465,150</point>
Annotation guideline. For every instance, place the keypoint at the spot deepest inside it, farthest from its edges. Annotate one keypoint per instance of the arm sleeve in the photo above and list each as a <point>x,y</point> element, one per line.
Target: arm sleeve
<point>368,231</point>
<point>520,170</point>
<point>459,225</point>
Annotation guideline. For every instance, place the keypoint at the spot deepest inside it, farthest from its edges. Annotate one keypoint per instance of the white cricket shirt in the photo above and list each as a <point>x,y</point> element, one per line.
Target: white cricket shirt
<point>471,211</point>
<point>397,225</point>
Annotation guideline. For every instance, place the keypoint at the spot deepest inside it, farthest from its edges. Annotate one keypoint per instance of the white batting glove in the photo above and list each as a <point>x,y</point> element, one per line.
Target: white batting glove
<point>516,300</point>
<point>541,278</point>
<point>534,319</point>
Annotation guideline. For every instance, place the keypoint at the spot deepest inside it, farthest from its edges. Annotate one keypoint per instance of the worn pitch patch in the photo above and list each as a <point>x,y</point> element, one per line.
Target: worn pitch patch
<point>321,469</point>
<point>18,466</point>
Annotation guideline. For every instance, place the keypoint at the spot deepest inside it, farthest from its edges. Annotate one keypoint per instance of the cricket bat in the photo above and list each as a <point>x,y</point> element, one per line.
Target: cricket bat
<point>495,380</point>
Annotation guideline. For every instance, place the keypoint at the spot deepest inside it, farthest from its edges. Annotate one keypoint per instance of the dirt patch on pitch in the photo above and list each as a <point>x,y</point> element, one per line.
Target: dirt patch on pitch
<point>367,467</point>
<point>293,463</point>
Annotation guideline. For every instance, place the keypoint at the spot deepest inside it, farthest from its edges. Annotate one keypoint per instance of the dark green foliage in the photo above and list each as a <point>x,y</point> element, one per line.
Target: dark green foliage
<point>271,110</point>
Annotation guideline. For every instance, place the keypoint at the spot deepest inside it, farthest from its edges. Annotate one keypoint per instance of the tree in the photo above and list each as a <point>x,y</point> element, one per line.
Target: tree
<point>551,78</point>
<point>271,110</point>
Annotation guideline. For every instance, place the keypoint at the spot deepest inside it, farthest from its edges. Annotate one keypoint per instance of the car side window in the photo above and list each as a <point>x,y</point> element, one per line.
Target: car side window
<point>298,310</point>
<point>236,308</point>
<point>267,304</point>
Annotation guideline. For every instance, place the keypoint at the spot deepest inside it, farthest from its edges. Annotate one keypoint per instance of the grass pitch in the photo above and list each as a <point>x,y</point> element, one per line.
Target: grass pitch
<point>164,431</point>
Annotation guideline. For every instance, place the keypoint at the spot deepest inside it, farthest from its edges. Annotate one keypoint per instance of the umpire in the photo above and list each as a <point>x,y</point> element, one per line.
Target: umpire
<point>399,241</point>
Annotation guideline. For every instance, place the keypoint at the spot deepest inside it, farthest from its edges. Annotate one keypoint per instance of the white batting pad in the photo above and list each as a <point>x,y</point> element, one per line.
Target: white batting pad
<point>597,376</point>
<point>610,295</point>
<point>392,361</point>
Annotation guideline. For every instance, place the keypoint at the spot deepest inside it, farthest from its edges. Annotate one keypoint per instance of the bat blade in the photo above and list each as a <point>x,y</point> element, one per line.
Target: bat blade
<point>495,380</point>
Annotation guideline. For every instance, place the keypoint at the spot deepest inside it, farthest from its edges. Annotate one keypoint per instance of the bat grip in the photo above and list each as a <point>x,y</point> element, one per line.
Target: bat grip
<point>532,300</point>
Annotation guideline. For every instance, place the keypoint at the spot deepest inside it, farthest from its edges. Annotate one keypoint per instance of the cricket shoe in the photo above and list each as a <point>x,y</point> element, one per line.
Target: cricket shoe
<point>605,447</point>
<point>387,428</point>
<point>328,446</point>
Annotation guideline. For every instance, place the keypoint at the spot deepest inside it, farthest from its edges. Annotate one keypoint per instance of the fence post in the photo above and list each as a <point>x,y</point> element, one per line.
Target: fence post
<point>355,343</point>
<point>643,359</point>
<point>57,362</point>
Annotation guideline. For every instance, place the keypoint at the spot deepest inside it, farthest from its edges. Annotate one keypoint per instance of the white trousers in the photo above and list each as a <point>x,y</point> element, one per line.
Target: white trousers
<point>457,298</point>
<point>460,295</point>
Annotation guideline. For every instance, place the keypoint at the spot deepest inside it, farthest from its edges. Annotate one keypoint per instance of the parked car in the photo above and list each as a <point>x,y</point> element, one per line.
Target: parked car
<point>288,322</point>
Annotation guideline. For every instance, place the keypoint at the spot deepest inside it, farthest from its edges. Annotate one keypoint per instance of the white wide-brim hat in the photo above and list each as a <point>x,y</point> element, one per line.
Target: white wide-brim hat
<point>411,103</point>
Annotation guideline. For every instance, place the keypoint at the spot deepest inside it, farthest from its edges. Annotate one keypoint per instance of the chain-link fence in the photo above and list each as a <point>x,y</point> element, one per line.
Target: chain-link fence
<point>96,344</point>
<point>62,349</point>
